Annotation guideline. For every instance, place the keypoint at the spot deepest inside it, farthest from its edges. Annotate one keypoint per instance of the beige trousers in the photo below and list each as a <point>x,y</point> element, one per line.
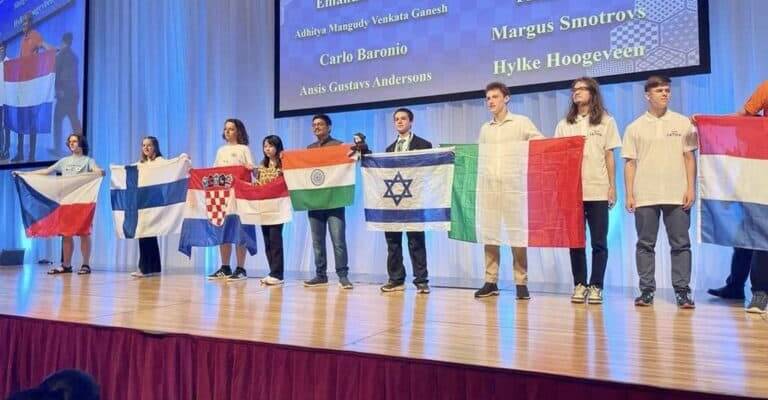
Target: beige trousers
<point>520,258</point>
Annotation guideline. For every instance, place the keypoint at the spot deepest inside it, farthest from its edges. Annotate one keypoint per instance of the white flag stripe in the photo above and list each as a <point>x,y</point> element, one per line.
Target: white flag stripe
<point>326,177</point>
<point>155,221</point>
<point>30,93</point>
<point>502,178</point>
<point>265,212</point>
<point>419,187</point>
<point>729,178</point>
<point>75,189</point>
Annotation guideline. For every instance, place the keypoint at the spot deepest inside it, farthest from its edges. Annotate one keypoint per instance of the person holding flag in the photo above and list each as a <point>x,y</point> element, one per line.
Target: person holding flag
<point>269,170</point>
<point>77,163</point>
<point>234,152</point>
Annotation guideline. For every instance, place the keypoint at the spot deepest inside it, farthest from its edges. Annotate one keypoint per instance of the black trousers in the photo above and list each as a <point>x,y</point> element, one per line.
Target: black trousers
<point>149,255</point>
<point>65,108</point>
<point>759,274</point>
<point>740,265</point>
<point>273,246</point>
<point>596,217</point>
<point>418,252</point>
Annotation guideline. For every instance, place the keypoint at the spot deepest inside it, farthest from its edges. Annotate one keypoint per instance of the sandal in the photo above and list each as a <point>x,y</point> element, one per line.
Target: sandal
<point>85,269</point>
<point>60,270</point>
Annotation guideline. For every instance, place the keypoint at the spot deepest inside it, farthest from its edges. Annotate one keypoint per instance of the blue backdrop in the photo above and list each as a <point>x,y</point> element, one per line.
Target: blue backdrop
<point>177,68</point>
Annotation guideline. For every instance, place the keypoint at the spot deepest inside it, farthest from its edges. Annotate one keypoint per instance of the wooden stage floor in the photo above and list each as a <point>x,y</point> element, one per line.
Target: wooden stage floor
<point>717,348</point>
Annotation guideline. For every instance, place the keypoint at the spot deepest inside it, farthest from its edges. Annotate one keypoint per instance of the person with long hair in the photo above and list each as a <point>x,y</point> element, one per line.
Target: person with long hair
<point>269,169</point>
<point>77,163</point>
<point>588,117</point>
<point>234,152</point>
<point>149,250</point>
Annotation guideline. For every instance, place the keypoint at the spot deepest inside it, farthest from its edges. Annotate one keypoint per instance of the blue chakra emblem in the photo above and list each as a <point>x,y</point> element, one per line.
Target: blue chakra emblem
<point>317,177</point>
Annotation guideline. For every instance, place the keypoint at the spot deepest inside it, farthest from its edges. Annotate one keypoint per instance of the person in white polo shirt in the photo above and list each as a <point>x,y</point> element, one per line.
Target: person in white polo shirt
<point>587,117</point>
<point>659,177</point>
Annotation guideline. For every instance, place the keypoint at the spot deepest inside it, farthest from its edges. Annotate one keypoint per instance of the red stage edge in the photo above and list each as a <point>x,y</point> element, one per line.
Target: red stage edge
<point>131,364</point>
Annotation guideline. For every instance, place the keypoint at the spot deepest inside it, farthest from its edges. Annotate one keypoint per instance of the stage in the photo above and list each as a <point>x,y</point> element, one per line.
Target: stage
<point>446,343</point>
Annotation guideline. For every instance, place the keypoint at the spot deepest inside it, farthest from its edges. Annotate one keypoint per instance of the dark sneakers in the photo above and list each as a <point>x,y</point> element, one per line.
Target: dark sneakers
<point>422,288</point>
<point>758,303</point>
<point>728,292</point>
<point>317,281</point>
<point>645,299</point>
<point>522,292</point>
<point>238,275</point>
<point>222,273</point>
<point>345,283</point>
<point>392,287</point>
<point>488,289</point>
<point>683,299</point>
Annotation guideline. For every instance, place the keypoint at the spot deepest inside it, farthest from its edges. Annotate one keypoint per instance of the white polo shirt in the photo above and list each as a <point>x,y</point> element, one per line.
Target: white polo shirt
<point>599,139</point>
<point>658,145</point>
<point>512,127</point>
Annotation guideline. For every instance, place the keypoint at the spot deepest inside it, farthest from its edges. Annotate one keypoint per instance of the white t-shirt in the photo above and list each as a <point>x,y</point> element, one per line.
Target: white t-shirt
<point>233,154</point>
<point>599,139</point>
<point>658,145</point>
<point>512,127</point>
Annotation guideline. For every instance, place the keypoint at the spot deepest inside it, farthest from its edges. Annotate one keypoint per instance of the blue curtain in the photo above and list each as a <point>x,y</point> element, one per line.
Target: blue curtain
<point>177,69</point>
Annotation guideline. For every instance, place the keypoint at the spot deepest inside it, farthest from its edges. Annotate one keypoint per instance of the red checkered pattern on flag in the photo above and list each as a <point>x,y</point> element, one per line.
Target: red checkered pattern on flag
<point>216,205</point>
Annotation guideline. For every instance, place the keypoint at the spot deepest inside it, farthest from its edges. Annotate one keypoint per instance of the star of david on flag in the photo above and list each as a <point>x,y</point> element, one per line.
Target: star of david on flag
<point>408,191</point>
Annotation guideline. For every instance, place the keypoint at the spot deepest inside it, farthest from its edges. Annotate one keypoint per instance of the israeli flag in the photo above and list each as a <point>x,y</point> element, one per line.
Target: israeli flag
<point>408,191</point>
<point>148,199</point>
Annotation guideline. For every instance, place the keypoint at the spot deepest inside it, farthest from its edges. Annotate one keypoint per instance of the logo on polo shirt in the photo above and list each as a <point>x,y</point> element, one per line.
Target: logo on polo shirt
<point>595,133</point>
<point>674,133</point>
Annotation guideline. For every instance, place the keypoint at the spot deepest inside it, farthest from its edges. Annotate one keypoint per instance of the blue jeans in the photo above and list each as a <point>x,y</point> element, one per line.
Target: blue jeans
<point>334,219</point>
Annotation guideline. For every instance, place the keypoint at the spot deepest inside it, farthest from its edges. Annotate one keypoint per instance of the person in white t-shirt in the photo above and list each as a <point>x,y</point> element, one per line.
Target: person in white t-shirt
<point>659,175</point>
<point>234,152</point>
<point>504,127</point>
<point>587,117</point>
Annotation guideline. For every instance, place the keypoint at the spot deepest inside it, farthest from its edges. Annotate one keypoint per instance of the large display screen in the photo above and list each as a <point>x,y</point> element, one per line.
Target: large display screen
<point>42,80</point>
<point>353,54</point>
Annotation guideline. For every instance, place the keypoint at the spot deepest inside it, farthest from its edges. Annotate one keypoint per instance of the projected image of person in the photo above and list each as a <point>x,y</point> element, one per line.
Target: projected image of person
<point>67,91</point>
<point>588,117</point>
<point>31,43</point>
<point>659,178</point>
<point>5,133</point>
<point>234,152</point>
<point>406,140</point>
<point>502,128</point>
<point>333,220</point>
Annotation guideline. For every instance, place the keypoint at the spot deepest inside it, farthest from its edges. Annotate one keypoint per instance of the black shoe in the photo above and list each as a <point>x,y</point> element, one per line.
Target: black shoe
<point>488,289</point>
<point>645,299</point>
<point>345,283</point>
<point>238,275</point>
<point>683,298</point>
<point>522,292</point>
<point>758,303</point>
<point>317,281</point>
<point>422,288</point>
<point>392,287</point>
<point>222,273</point>
<point>728,292</point>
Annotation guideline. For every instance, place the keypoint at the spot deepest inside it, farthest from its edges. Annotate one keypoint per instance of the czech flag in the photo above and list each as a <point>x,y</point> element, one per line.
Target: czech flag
<point>57,205</point>
<point>29,92</point>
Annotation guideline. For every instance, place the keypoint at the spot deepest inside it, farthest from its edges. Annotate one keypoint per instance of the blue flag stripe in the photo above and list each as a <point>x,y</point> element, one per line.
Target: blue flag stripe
<point>131,200</point>
<point>202,233</point>
<point>734,224</point>
<point>413,215</point>
<point>408,161</point>
<point>152,196</point>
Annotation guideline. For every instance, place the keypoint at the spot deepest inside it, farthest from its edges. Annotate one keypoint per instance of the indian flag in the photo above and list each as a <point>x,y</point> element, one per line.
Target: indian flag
<point>321,178</point>
<point>520,194</point>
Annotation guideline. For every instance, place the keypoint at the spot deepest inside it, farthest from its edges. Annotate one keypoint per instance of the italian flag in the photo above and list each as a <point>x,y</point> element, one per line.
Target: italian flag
<point>320,178</point>
<point>520,194</point>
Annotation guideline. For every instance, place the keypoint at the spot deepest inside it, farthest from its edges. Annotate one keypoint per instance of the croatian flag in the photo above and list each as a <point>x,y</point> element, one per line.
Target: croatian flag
<point>520,194</point>
<point>408,191</point>
<point>57,205</point>
<point>321,178</point>
<point>148,198</point>
<point>29,92</point>
<point>211,216</point>
<point>733,185</point>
